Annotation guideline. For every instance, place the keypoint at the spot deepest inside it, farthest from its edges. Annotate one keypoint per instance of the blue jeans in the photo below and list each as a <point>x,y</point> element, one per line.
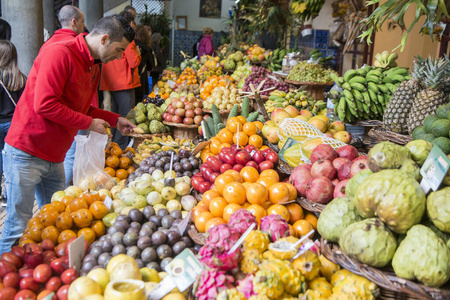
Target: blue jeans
<point>26,175</point>
<point>3,131</point>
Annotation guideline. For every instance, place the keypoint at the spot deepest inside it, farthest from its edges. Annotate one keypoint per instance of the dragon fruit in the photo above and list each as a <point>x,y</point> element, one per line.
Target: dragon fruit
<point>275,226</point>
<point>245,286</point>
<point>241,220</point>
<point>218,258</point>
<point>212,282</point>
<point>222,236</point>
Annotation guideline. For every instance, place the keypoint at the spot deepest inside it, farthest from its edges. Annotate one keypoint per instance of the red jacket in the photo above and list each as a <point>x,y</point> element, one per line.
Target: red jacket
<point>56,102</point>
<point>122,74</point>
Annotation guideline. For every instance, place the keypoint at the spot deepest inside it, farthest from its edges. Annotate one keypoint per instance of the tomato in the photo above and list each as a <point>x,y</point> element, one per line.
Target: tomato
<point>62,292</point>
<point>7,293</point>
<point>204,186</point>
<point>12,259</point>
<point>53,284</point>
<point>69,275</point>
<point>214,163</point>
<point>59,250</point>
<point>29,283</point>
<point>25,295</point>
<point>11,280</point>
<point>6,267</point>
<point>42,273</point>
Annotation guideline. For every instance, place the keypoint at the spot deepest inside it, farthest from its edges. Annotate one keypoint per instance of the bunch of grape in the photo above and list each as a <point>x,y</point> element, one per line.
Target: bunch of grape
<point>259,74</point>
<point>306,72</point>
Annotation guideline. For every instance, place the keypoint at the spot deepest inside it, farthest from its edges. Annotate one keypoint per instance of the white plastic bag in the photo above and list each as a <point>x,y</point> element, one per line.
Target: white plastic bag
<point>88,167</point>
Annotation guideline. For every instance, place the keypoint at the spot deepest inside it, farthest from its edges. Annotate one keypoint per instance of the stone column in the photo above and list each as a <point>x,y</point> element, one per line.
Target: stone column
<point>27,30</point>
<point>92,10</point>
<point>49,15</point>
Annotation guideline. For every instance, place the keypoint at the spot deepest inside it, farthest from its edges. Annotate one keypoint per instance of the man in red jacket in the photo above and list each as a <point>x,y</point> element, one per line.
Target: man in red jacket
<point>55,104</point>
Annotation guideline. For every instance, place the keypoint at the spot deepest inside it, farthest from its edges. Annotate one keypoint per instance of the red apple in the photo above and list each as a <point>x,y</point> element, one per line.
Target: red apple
<point>225,167</point>
<point>213,176</point>
<point>214,163</point>
<point>243,157</point>
<point>42,273</point>
<point>265,165</point>
<point>272,156</point>
<point>238,167</point>
<point>252,164</point>
<point>180,112</point>
<point>257,156</point>
<point>265,151</point>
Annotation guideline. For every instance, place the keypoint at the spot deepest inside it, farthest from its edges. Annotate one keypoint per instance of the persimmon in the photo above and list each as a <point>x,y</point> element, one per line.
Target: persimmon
<point>257,210</point>
<point>59,206</point>
<point>225,136</point>
<point>208,196</point>
<point>48,207</point>
<point>242,120</point>
<point>312,219</point>
<point>110,171</point>
<point>49,217</point>
<point>66,200</point>
<point>257,193</point>
<point>201,219</point>
<point>124,162</point>
<point>36,232</point>
<point>116,151</point>
<point>213,222</point>
<point>234,192</point>
<point>222,180</point>
<point>217,205</point>
<point>64,221</point>
<point>98,210</point>
<point>270,173</point>
<point>267,181</point>
<point>66,235</point>
<point>292,191</point>
<point>33,221</point>
<point>302,227</point>
<point>255,140</point>
<point>99,228</point>
<point>89,234</point>
<point>78,203</point>
<point>112,161</point>
<point>296,212</point>
<point>249,174</point>
<point>82,218</point>
<point>121,174</point>
<point>237,176</point>
<point>278,193</point>
<point>250,128</point>
<point>130,170</point>
<point>196,211</point>
<point>50,232</point>
<point>279,209</point>
<point>229,210</point>
<point>90,197</point>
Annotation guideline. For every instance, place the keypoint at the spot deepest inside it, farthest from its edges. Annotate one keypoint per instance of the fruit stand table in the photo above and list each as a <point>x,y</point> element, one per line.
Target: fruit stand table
<point>315,89</point>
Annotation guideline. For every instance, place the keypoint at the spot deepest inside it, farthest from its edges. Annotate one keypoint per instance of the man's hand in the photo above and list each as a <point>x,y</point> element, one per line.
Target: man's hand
<point>125,126</point>
<point>138,51</point>
<point>99,125</point>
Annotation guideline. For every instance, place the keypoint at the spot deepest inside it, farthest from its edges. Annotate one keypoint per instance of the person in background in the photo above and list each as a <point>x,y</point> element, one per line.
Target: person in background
<point>5,30</point>
<point>54,105</point>
<point>130,9</point>
<point>195,47</point>
<point>159,68</point>
<point>143,41</point>
<point>12,82</point>
<point>121,77</point>
<point>205,46</point>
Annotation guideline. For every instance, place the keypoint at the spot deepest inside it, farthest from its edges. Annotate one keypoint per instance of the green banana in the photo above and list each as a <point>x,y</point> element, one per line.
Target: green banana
<point>374,72</point>
<point>358,86</point>
<point>357,95</point>
<point>391,87</point>
<point>348,94</point>
<point>372,86</point>
<point>387,79</point>
<point>346,86</point>
<point>362,72</point>
<point>397,77</point>
<point>341,108</point>
<point>373,97</point>
<point>338,80</point>
<point>381,99</point>
<point>371,78</point>
<point>357,79</point>
<point>349,75</point>
<point>366,98</point>
<point>383,88</point>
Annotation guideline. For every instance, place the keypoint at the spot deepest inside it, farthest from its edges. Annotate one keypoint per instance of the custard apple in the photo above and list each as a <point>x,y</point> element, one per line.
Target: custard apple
<point>369,241</point>
<point>412,169</point>
<point>422,255</point>
<point>355,181</point>
<point>335,217</point>
<point>387,155</point>
<point>420,150</point>
<point>438,209</point>
<point>392,195</point>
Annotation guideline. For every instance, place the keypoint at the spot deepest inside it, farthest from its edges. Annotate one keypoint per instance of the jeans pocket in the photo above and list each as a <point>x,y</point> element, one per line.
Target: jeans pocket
<point>19,154</point>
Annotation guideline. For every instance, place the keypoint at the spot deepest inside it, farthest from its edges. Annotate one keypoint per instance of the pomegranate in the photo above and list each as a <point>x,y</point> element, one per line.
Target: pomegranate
<point>305,166</point>
<point>335,181</point>
<point>344,171</point>
<point>323,152</point>
<point>339,189</point>
<point>323,168</point>
<point>320,190</point>
<point>300,178</point>
<point>358,165</point>
<point>360,157</point>
<point>338,162</point>
<point>347,151</point>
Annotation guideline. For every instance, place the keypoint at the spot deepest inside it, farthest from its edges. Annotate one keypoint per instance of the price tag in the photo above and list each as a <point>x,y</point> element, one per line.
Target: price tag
<point>289,142</point>
<point>171,83</point>
<point>241,239</point>
<point>434,170</point>
<point>76,253</point>
<point>108,202</point>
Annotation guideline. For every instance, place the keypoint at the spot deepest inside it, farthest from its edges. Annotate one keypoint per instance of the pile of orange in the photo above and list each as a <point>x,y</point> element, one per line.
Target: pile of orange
<point>117,162</point>
<point>188,77</point>
<point>261,194</point>
<point>212,82</point>
<point>70,217</point>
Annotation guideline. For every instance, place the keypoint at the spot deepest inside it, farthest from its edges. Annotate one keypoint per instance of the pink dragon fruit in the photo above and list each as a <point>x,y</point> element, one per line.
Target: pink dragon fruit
<point>212,282</point>
<point>219,258</point>
<point>241,220</point>
<point>275,226</point>
<point>222,236</point>
<point>245,286</point>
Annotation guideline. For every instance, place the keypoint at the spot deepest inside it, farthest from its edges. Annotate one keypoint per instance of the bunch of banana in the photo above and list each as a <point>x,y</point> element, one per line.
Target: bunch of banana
<point>306,9</point>
<point>385,60</point>
<point>300,99</point>
<point>318,56</point>
<point>366,92</point>
<point>276,59</point>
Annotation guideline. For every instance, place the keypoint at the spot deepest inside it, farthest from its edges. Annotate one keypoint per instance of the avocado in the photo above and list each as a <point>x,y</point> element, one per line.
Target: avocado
<point>428,121</point>
<point>442,111</point>
<point>443,143</point>
<point>440,128</point>
<point>418,132</point>
<point>428,137</point>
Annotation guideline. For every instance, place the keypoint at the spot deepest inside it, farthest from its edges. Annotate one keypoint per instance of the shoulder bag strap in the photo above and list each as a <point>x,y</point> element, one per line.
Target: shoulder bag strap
<point>10,97</point>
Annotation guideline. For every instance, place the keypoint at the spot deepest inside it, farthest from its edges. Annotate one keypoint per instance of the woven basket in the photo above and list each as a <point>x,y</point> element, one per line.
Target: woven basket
<point>284,167</point>
<point>315,89</point>
<point>197,237</point>
<point>381,134</point>
<point>310,206</point>
<point>392,287</point>
<point>139,138</point>
<point>182,131</point>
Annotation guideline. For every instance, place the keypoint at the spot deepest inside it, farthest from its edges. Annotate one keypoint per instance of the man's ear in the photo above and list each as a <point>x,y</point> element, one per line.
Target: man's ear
<point>105,39</point>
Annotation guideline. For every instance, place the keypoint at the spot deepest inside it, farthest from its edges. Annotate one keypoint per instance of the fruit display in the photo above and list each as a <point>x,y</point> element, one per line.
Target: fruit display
<point>156,100</point>
<point>193,89</point>
<point>187,77</point>
<point>212,82</point>
<point>299,99</point>
<point>394,174</point>
<point>310,72</point>
<point>318,57</point>
<point>210,67</point>
<point>240,74</point>
<point>148,147</point>
<point>118,163</point>
<point>258,75</point>
<point>147,118</point>
<point>168,74</point>
<point>192,63</point>
<point>233,61</point>
<point>162,89</point>
<point>306,10</point>
<point>366,92</point>
<point>224,97</point>
<point>276,59</point>
<point>256,53</point>
<point>186,110</point>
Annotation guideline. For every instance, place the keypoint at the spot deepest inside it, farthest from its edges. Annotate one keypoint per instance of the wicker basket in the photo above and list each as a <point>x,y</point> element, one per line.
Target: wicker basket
<point>392,287</point>
<point>139,138</point>
<point>197,237</point>
<point>315,89</point>
<point>223,114</point>
<point>310,206</point>
<point>182,131</point>
<point>381,134</point>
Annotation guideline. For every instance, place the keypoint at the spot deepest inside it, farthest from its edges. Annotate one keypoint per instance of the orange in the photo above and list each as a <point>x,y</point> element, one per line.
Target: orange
<point>257,210</point>
<point>258,124</point>
<point>208,196</point>
<point>279,209</point>
<point>217,206</point>
<point>229,210</point>
<point>196,211</point>
<point>242,120</point>
<point>122,174</point>
<point>255,140</point>
<point>201,219</point>
<point>82,218</point>
<point>312,219</point>
<point>292,191</point>
<point>232,120</point>
<point>213,222</point>
<point>225,136</point>
<point>50,232</point>
<point>67,199</point>
<point>222,180</point>
<point>59,206</point>
<point>49,217</point>
<point>250,128</point>
<point>112,161</point>
<point>90,197</point>
<point>110,171</point>
<point>78,203</point>
<point>36,232</point>
<point>98,210</point>
<point>205,154</point>
<point>47,207</point>
<point>66,235</point>
<point>292,231</point>
<point>99,228</point>
<point>234,193</point>
<point>266,180</point>
<point>246,184</point>
<point>89,234</point>
<point>215,140</point>
<point>270,173</point>
<point>243,139</point>
<point>302,227</point>
<point>249,174</point>
<point>278,193</point>
<point>215,147</point>
<point>257,193</point>
<point>64,221</point>
<point>296,212</point>
<point>33,221</point>
<point>236,175</point>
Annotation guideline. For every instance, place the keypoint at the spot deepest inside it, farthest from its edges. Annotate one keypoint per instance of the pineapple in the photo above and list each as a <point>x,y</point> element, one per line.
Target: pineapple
<point>397,111</point>
<point>430,98</point>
